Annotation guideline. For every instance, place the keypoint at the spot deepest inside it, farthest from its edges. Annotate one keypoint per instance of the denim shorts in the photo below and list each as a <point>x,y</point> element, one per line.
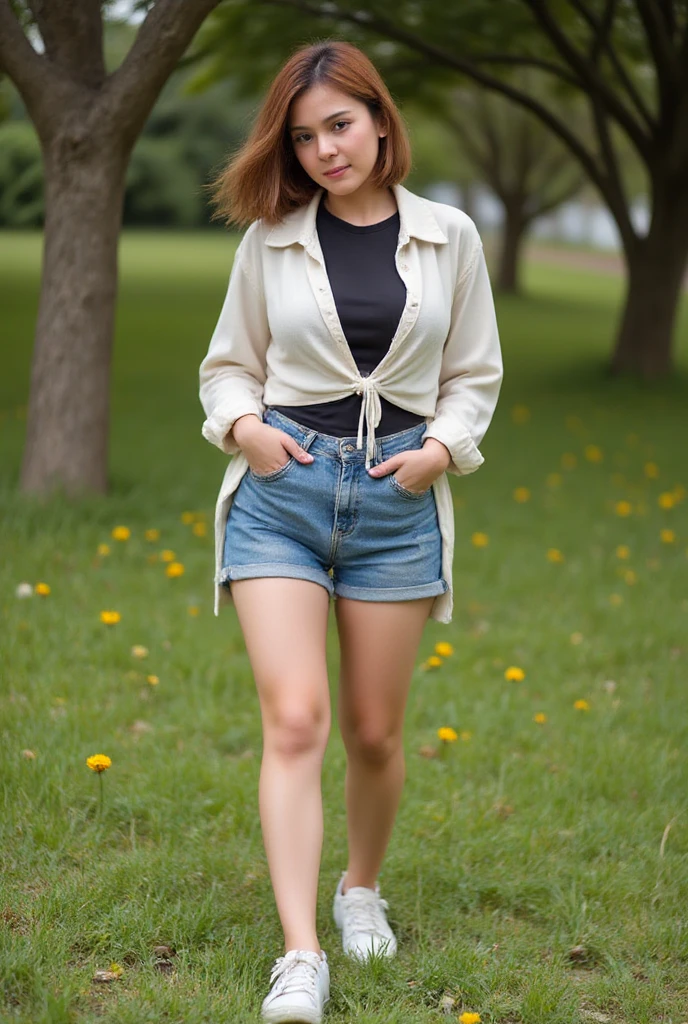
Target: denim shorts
<point>329,521</point>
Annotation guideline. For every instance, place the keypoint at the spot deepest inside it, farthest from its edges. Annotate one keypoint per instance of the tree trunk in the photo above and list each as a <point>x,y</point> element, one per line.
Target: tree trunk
<point>513,234</point>
<point>656,268</point>
<point>67,436</point>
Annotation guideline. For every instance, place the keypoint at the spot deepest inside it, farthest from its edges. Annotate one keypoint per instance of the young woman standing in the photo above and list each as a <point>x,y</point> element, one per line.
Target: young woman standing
<point>351,303</point>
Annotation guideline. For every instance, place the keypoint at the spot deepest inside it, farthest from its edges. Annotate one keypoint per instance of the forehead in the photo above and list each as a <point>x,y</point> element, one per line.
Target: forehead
<point>318,102</point>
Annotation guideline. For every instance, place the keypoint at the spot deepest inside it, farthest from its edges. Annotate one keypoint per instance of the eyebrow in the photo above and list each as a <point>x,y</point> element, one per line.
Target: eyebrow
<point>299,127</point>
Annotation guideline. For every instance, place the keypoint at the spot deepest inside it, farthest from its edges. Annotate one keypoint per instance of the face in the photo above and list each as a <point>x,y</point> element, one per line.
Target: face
<point>330,129</point>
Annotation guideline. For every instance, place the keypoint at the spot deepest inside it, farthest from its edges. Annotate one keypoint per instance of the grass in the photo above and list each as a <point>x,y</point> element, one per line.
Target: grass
<point>538,873</point>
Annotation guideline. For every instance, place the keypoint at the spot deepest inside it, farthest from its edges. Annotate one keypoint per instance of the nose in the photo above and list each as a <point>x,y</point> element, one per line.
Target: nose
<point>326,148</point>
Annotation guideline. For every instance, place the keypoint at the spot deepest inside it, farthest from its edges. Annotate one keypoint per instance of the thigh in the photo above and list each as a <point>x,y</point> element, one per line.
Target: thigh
<point>284,623</point>
<point>379,644</point>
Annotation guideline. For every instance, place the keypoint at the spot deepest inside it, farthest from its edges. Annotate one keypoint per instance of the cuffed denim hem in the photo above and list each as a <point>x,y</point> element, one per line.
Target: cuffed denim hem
<point>391,593</point>
<point>285,569</point>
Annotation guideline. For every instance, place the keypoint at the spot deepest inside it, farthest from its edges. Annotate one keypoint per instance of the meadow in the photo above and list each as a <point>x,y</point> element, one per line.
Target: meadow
<point>538,872</point>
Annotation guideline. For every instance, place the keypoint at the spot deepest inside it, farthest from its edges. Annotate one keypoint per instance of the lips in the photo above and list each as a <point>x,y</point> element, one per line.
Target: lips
<point>334,170</point>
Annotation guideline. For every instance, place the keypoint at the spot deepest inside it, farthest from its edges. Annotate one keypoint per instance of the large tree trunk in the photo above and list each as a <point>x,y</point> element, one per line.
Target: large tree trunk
<point>513,235</point>
<point>656,268</point>
<point>67,436</point>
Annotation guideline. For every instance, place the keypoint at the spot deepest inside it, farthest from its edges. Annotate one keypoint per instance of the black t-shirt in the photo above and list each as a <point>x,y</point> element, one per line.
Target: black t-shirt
<point>370,298</point>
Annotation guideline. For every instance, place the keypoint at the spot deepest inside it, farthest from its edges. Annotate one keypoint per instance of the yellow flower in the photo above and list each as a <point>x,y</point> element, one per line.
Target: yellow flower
<point>443,649</point>
<point>28,755</point>
<point>193,610</point>
<point>581,705</point>
<point>110,618</point>
<point>121,533</point>
<point>433,661</point>
<point>667,536</point>
<point>651,470</point>
<point>152,535</point>
<point>188,518</point>
<point>521,494</point>
<point>139,651</point>
<point>514,674</point>
<point>630,577</point>
<point>447,734</point>
<point>199,529</point>
<point>554,555</point>
<point>623,551</point>
<point>679,493</point>
<point>469,1018</point>
<point>167,555</point>
<point>480,540</point>
<point>103,550</point>
<point>98,762</point>
<point>175,569</point>
<point>623,508</point>
<point>43,589</point>
<point>569,460</point>
<point>615,599</point>
<point>520,414</point>
<point>666,499</point>
<point>593,453</point>
<point>553,480</point>
<point>153,680</point>
<point>540,718</point>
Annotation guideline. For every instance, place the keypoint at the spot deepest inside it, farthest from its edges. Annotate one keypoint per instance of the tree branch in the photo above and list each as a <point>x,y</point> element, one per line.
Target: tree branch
<point>661,46</point>
<point>72,34</point>
<point>29,72</point>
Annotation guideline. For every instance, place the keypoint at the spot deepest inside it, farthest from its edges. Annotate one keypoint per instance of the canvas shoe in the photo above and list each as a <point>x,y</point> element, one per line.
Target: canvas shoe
<point>300,988</point>
<point>360,915</point>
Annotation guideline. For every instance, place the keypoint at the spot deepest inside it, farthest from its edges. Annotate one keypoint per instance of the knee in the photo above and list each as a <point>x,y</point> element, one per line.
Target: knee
<point>295,730</point>
<point>373,745</point>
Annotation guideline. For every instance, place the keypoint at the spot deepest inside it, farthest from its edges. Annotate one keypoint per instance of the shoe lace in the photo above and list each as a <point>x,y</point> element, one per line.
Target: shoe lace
<point>366,912</point>
<point>296,970</point>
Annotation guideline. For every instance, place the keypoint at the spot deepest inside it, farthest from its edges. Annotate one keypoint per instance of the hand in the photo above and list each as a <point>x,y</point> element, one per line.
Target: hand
<point>421,467</point>
<point>264,446</point>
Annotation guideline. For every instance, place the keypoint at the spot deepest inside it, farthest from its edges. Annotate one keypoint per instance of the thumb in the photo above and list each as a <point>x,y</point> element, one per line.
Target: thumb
<point>383,468</point>
<point>295,449</point>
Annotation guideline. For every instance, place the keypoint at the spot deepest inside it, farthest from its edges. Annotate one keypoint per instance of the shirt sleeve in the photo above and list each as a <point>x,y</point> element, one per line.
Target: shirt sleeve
<point>233,373</point>
<point>471,370</point>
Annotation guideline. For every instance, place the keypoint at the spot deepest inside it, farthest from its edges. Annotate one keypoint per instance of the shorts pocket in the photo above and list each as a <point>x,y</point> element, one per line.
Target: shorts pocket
<point>283,470</point>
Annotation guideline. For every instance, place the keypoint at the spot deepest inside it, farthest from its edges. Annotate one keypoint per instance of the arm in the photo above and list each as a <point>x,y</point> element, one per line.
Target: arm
<point>471,370</point>
<point>232,375</point>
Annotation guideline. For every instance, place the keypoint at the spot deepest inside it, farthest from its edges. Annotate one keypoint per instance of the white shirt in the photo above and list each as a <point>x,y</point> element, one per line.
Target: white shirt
<point>279,341</point>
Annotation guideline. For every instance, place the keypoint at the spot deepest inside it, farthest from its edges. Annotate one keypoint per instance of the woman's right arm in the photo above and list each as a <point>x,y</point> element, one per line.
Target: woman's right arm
<point>232,375</point>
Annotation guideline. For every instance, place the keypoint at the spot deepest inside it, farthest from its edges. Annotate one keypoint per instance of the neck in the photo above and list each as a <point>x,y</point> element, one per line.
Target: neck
<point>362,207</point>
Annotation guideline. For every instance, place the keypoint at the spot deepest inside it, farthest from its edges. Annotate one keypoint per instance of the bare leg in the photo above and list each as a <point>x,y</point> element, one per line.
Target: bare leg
<point>284,622</point>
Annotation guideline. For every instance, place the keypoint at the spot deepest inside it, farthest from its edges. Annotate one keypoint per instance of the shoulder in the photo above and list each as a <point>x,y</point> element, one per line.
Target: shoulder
<point>455,223</point>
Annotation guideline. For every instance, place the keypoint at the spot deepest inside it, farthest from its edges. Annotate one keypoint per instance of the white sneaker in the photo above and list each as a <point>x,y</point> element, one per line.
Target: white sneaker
<point>360,915</point>
<point>300,988</point>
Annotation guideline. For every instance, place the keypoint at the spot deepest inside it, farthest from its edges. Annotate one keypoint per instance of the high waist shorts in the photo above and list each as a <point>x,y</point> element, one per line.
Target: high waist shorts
<point>329,521</point>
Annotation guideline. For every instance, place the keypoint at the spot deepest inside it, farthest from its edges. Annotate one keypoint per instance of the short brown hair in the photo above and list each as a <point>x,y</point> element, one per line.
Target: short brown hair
<point>264,178</point>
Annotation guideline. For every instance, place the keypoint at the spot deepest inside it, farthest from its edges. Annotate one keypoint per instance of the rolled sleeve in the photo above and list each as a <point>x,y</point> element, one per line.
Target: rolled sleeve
<point>471,370</point>
<point>232,375</point>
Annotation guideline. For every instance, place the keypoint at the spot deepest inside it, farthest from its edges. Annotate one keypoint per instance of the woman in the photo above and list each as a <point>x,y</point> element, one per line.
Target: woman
<point>352,302</point>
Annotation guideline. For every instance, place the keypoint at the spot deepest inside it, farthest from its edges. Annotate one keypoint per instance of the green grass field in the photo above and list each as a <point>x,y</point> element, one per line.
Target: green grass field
<point>538,872</point>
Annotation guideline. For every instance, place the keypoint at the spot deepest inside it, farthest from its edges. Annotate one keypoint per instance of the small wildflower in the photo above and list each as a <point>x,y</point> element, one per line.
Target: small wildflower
<point>42,589</point>
<point>540,717</point>
<point>630,577</point>
<point>514,674</point>
<point>651,470</point>
<point>139,651</point>
<point>153,680</point>
<point>193,610</point>
<point>444,649</point>
<point>103,550</point>
<point>110,618</point>
<point>199,529</point>
<point>623,551</point>
<point>581,705</point>
<point>667,536</point>
<point>174,569</point>
<point>28,755</point>
<point>615,599</point>
<point>569,460</point>
<point>98,762</point>
<point>167,555</point>
<point>623,508</point>
<point>593,453</point>
<point>433,661</point>
<point>24,590</point>
<point>554,555</point>
<point>520,414</point>
<point>480,540</point>
<point>666,499</point>
<point>521,495</point>
<point>576,638</point>
<point>188,518</point>
<point>447,734</point>
<point>152,535</point>
<point>553,480</point>
<point>469,1018</point>
<point>121,533</point>
<point>679,493</point>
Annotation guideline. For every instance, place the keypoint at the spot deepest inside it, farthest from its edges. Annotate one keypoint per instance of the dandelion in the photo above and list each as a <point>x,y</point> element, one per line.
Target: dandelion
<point>121,533</point>
<point>581,705</point>
<point>103,550</point>
<point>153,680</point>
<point>593,453</point>
<point>444,649</point>
<point>24,590</point>
<point>167,555</point>
<point>480,540</point>
<point>651,470</point>
<point>193,610</point>
<point>199,529</point>
<point>554,480</point>
<point>630,577</point>
<point>623,551</point>
<point>469,1018</point>
<point>99,763</point>
<point>447,734</point>
<point>110,618</point>
<point>514,674</point>
<point>623,508</point>
<point>42,589</point>
<point>569,460</point>
<point>615,599</point>
<point>667,536</point>
<point>520,414</point>
<point>540,717</point>
<point>521,495</point>
<point>174,569</point>
<point>666,499</point>
<point>152,535</point>
<point>554,555</point>
<point>188,518</point>
<point>433,661</point>
<point>139,651</point>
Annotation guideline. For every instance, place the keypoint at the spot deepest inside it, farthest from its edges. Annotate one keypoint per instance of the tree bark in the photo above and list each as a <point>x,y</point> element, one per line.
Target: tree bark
<point>67,429</point>
<point>513,235</point>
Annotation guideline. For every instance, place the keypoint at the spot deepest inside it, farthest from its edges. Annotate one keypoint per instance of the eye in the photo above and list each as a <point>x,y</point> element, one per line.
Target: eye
<point>341,122</point>
<point>299,138</point>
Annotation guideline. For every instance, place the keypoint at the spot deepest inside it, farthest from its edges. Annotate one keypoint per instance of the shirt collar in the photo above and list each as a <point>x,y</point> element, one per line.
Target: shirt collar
<point>416,220</point>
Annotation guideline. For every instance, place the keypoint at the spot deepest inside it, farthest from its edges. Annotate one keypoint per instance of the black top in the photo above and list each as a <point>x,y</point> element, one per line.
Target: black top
<point>370,298</point>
